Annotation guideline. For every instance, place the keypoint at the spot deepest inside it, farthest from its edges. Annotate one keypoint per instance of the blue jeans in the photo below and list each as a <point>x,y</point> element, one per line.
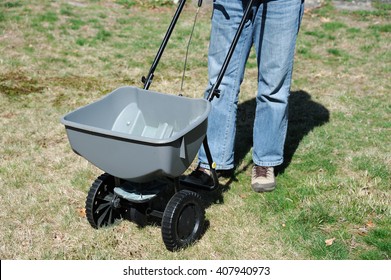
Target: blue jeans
<point>272,28</point>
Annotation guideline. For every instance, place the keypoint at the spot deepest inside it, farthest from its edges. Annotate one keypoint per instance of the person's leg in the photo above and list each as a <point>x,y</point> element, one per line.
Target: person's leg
<point>274,38</point>
<point>227,15</point>
<point>277,25</point>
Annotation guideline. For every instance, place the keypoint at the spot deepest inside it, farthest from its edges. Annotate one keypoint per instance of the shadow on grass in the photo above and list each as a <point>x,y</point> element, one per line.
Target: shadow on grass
<point>304,115</point>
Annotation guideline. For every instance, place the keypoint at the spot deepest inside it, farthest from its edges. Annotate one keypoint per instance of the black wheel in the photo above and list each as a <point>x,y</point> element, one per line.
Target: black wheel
<point>183,220</point>
<point>102,205</point>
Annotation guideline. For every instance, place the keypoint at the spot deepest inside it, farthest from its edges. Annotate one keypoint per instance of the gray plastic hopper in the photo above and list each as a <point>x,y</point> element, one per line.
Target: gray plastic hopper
<point>138,135</point>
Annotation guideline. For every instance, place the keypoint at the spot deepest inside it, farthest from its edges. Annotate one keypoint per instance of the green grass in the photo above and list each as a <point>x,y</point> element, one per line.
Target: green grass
<point>335,181</point>
<point>380,239</point>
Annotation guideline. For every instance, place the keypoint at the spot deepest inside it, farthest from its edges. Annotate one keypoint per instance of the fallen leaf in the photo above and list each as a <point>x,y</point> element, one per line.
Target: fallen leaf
<point>82,212</point>
<point>370,224</point>
<point>330,241</point>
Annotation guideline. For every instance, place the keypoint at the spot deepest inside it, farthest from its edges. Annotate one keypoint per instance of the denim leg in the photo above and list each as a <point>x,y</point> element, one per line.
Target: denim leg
<point>276,27</point>
<point>227,15</point>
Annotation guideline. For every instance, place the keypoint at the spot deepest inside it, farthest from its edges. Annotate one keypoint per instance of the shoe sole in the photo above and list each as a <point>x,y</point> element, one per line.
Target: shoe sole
<point>263,187</point>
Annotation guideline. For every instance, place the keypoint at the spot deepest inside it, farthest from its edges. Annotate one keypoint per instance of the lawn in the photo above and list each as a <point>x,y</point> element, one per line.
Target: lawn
<point>334,189</point>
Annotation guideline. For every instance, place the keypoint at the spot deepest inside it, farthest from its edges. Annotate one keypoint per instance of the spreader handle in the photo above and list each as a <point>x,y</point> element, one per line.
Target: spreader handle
<point>148,80</point>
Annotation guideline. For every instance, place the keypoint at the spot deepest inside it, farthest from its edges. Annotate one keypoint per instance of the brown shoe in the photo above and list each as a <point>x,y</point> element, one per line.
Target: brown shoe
<point>203,176</point>
<point>263,179</point>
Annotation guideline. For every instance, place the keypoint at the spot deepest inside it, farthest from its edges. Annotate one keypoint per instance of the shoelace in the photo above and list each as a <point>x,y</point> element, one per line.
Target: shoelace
<point>260,171</point>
